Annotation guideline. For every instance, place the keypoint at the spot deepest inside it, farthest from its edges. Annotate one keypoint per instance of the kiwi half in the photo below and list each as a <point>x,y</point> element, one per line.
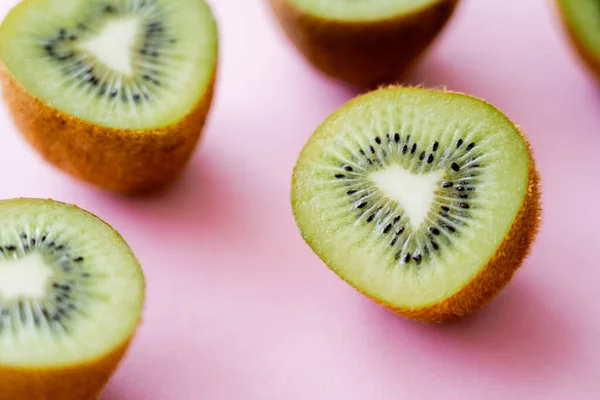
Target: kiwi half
<point>114,92</point>
<point>426,201</point>
<point>364,43</point>
<point>581,19</point>
<point>71,298</point>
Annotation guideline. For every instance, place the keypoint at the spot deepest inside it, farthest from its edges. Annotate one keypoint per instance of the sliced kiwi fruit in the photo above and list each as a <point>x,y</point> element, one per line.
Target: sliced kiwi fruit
<point>114,92</point>
<point>426,201</point>
<point>71,298</point>
<point>581,19</point>
<point>364,43</point>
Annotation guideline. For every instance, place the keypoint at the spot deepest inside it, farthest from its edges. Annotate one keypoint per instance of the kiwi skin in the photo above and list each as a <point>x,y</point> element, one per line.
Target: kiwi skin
<point>80,382</point>
<point>75,382</point>
<point>591,61</point>
<point>500,268</point>
<point>125,161</point>
<point>367,54</point>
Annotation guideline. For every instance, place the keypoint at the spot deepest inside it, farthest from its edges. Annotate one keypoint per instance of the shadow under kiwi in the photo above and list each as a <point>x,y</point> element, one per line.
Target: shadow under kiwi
<point>516,336</point>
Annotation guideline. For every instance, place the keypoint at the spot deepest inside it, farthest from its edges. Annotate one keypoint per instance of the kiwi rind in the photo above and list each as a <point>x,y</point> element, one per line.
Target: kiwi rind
<point>490,279</point>
<point>588,56</point>
<point>363,54</point>
<point>82,381</point>
<point>126,161</point>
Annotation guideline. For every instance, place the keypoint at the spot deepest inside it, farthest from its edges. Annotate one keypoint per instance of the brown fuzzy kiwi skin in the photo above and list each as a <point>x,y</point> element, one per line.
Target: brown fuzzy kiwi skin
<point>366,54</point>
<point>502,265</point>
<point>499,270</point>
<point>591,61</point>
<point>84,381</point>
<point>78,382</point>
<point>128,162</point>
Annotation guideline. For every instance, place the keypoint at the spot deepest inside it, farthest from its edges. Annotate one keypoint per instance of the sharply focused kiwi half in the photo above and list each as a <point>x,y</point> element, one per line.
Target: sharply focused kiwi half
<point>364,43</point>
<point>426,201</point>
<point>71,297</point>
<point>115,92</point>
<point>582,21</point>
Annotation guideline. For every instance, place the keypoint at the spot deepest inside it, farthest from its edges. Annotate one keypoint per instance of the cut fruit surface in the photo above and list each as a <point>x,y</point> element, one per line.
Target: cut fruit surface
<point>363,43</point>
<point>113,92</point>
<point>71,298</point>
<point>582,20</point>
<point>70,288</point>
<point>412,196</point>
<point>361,10</point>
<point>128,64</point>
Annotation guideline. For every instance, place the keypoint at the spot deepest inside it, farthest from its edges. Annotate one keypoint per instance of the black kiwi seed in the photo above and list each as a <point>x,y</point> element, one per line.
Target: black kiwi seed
<point>136,97</point>
<point>393,242</point>
<point>435,245</point>
<point>450,228</point>
<point>422,156</point>
<point>460,188</point>
<point>434,230</point>
<point>24,235</point>
<point>400,230</point>
<point>470,146</point>
<point>463,205</point>
<point>348,168</point>
<point>10,247</point>
<point>407,258</point>
<point>417,259</point>
<point>387,228</point>
<point>459,143</point>
<point>78,259</point>
<point>340,176</point>
<point>454,166</point>
<point>371,218</point>
<point>435,146</point>
<point>372,149</point>
<point>396,137</point>
<point>377,140</point>
<point>464,196</point>
<point>396,219</point>
<point>61,247</point>
<point>413,149</point>
<point>430,159</point>
<point>445,208</point>
<point>362,205</point>
<point>447,184</point>
<point>350,192</point>
<point>404,149</point>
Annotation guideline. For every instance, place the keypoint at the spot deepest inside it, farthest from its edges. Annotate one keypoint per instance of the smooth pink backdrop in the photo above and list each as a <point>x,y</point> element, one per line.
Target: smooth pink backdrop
<point>238,306</point>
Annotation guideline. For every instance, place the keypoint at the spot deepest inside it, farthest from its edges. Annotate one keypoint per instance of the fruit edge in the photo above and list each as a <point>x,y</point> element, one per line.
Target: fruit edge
<point>75,382</point>
<point>501,267</point>
<point>79,382</point>
<point>129,162</point>
<point>364,54</point>
<point>590,61</point>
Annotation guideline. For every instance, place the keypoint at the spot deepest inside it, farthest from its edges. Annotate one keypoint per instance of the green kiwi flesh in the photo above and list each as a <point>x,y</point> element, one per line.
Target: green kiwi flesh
<point>361,10</point>
<point>71,290</point>
<point>124,64</point>
<point>407,194</point>
<point>582,19</point>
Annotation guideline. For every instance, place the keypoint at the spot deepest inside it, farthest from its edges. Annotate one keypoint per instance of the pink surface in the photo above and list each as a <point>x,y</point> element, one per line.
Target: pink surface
<point>238,306</point>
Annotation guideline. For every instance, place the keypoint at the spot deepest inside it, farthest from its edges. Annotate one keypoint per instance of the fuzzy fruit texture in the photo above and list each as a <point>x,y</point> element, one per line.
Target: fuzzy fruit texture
<point>77,382</point>
<point>364,54</point>
<point>86,378</point>
<point>588,55</point>
<point>500,269</point>
<point>119,160</point>
<point>337,251</point>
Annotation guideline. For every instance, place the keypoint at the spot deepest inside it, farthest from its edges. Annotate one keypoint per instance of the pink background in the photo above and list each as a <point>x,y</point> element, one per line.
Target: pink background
<point>238,307</point>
